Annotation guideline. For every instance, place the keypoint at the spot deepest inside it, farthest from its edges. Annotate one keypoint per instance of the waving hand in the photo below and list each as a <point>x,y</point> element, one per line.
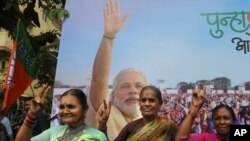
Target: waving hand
<point>113,21</point>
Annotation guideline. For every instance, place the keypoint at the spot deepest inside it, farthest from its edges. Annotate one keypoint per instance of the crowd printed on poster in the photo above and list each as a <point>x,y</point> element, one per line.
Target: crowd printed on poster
<point>176,102</point>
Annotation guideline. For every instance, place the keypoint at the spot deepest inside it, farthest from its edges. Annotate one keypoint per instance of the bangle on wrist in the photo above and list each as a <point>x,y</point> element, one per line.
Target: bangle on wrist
<point>108,37</point>
<point>29,124</point>
<point>102,128</point>
<point>29,121</point>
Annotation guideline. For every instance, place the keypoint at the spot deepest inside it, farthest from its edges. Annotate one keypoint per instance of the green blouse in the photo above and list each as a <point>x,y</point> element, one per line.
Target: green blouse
<point>57,133</point>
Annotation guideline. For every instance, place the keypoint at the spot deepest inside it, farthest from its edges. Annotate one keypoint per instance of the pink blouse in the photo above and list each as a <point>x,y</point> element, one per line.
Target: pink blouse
<point>201,137</point>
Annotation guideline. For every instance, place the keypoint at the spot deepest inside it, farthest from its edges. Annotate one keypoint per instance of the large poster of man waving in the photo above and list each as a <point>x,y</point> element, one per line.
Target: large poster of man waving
<point>114,48</point>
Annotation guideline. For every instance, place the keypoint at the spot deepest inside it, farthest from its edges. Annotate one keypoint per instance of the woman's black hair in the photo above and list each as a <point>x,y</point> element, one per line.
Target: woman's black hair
<point>230,110</point>
<point>156,90</point>
<point>80,95</point>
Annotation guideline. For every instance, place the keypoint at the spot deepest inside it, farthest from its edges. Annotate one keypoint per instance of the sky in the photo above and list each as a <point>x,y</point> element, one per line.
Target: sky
<point>166,39</point>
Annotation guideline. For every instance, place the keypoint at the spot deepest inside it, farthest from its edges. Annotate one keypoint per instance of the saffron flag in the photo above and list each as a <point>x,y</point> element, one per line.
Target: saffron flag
<point>22,68</point>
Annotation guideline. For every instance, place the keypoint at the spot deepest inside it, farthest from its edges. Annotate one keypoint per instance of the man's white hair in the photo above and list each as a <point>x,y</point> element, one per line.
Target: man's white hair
<point>115,82</point>
<point>132,110</point>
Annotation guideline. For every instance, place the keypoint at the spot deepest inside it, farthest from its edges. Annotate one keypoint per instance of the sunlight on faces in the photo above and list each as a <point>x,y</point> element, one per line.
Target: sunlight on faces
<point>126,92</point>
<point>149,103</point>
<point>71,111</point>
<point>222,121</point>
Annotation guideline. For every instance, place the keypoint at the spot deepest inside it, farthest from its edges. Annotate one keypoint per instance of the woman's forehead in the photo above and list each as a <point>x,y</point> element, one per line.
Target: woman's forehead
<point>222,111</point>
<point>69,98</point>
<point>148,93</point>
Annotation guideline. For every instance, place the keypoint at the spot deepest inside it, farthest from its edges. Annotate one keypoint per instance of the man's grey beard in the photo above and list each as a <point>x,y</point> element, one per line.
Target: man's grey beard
<point>128,109</point>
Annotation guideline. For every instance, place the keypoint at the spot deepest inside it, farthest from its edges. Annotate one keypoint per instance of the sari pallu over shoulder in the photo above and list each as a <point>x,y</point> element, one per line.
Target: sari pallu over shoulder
<point>156,130</point>
<point>82,133</point>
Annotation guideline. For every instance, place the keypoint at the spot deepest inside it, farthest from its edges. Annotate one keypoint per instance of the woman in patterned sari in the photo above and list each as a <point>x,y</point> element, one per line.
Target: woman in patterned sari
<point>72,110</point>
<point>150,127</point>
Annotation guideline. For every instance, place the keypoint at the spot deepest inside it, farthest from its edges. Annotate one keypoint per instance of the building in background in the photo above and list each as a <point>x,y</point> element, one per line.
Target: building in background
<point>6,44</point>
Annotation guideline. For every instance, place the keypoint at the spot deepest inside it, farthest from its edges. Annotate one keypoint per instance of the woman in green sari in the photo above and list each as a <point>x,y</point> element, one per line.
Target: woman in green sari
<point>72,110</point>
<point>150,127</point>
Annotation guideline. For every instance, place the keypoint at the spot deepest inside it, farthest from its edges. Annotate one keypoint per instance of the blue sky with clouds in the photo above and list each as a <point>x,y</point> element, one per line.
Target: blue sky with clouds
<point>166,39</point>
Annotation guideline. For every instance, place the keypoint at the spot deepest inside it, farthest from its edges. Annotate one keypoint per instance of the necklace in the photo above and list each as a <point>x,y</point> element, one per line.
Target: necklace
<point>67,129</point>
<point>73,134</point>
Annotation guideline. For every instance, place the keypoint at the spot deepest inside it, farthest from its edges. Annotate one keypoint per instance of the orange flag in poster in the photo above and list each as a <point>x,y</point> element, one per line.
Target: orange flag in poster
<point>22,68</point>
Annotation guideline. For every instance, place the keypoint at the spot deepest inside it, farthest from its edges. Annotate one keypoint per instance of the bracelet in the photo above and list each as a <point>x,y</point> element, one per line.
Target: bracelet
<point>29,121</point>
<point>102,129</point>
<point>31,125</point>
<point>108,37</point>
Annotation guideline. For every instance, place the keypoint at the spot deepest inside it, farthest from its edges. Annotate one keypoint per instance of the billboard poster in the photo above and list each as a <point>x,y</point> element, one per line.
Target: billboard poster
<point>174,43</point>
